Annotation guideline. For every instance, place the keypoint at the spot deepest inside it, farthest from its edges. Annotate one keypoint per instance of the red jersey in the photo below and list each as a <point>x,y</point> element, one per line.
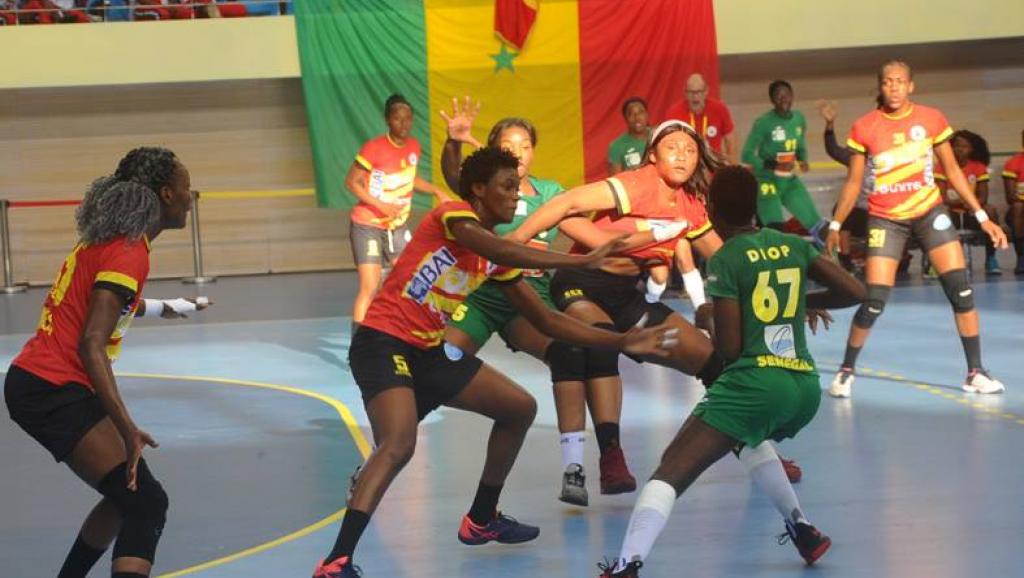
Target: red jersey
<point>640,197</point>
<point>120,265</point>
<point>900,159</point>
<point>392,172</point>
<point>713,123</point>
<point>433,275</point>
<point>974,172</point>
<point>1014,170</point>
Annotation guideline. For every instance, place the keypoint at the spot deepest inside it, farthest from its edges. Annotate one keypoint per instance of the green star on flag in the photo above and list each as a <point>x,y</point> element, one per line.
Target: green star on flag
<point>503,59</point>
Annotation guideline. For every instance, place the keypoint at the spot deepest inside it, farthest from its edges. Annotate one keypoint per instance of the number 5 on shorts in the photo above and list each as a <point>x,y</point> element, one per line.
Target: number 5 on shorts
<point>401,366</point>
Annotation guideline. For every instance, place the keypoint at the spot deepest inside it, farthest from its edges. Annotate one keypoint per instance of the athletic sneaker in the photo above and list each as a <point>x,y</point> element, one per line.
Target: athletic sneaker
<point>502,529</point>
<point>842,383</point>
<point>992,266</point>
<point>811,543</point>
<point>793,471</point>
<point>631,570</point>
<point>615,476</point>
<point>979,381</point>
<point>574,486</point>
<point>340,568</point>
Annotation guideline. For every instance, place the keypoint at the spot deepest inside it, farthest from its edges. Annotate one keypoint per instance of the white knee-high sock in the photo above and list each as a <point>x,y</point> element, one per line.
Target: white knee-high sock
<point>572,447</point>
<point>766,470</point>
<point>694,286</point>
<point>653,507</point>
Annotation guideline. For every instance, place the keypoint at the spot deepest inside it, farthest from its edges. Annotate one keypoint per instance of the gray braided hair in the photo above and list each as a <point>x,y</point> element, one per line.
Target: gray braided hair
<point>126,203</point>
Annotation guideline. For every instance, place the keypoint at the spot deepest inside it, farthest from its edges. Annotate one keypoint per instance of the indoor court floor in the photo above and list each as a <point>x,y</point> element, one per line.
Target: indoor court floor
<point>261,425</point>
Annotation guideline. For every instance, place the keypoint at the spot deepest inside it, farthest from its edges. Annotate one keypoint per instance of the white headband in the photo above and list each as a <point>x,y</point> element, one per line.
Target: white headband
<point>670,122</point>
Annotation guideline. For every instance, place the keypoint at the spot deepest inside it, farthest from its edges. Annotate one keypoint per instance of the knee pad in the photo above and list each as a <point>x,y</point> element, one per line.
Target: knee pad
<point>602,362</point>
<point>958,290</point>
<point>143,512</point>
<point>872,307</point>
<point>566,362</point>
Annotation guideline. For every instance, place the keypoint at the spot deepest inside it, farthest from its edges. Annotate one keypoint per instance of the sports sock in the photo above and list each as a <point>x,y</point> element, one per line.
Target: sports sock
<point>352,526</point>
<point>572,448</point>
<point>766,471</point>
<point>972,351</point>
<point>80,559</point>
<point>653,507</point>
<point>607,436</point>
<point>485,504</point>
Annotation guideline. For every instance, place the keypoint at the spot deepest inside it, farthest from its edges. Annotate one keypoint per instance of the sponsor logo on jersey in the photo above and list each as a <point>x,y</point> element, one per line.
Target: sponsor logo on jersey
<point>712,131</point>
<point>779,340</point>
<point>918,133</point>
<point>431,268</point>
<point>413,159</point>
<point>901,187</point>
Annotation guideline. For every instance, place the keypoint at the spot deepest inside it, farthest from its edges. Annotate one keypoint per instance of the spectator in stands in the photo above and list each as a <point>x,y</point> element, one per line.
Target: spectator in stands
<point>973,157</point>
<point>8,14</point>
<point>52,11</point>
<point>855,227</point>
<point>1013,187</point>
<point>627,152</point>
<point>187,9</point>
<point>708,116</point>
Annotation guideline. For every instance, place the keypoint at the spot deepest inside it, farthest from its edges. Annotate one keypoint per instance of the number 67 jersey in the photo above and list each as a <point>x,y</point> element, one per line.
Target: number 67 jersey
<point>766,272</point>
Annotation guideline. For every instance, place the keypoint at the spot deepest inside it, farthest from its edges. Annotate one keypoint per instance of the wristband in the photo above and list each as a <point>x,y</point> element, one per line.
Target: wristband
<point>835,226</point>
<point>154,308</point>
<point>181,306</point>
<point>981,216</point>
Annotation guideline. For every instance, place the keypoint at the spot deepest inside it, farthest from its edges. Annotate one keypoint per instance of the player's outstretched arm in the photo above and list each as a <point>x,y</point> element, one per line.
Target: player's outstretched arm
<point>578,201</point>
<point>500,251</point>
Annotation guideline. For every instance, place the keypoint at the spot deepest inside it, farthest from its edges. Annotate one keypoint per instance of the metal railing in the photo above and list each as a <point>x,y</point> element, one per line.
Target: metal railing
<point>15,13</point>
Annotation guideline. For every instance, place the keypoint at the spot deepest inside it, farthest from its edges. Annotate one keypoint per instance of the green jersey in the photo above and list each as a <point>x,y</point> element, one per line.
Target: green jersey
<point>766,271</point>
<point>775,137</point>
<point>627,151</point>
<point>546,190</point>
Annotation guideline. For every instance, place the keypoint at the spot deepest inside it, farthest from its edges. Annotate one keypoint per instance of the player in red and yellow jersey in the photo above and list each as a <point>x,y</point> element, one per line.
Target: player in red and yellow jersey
<point>972,156</point>
<point>405,370</point>
<point>61,390</point>
<point>1013,186</point>
<point>900,138</point>
<point>383,178</point>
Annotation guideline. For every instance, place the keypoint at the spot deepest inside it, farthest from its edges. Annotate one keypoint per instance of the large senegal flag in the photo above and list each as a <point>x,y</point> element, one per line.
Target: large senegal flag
<point>580,61</point>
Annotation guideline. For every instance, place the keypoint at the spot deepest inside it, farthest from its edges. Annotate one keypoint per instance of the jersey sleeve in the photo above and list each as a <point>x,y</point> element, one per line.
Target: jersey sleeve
<point>124,269</point>
<point>700,224</point>
<point>857,141</point>
<point>365,154</point>
<point>626,190</point>
<point>940,128</point>
<point>983,174</point>
<point>614,157</point>
<point>1011,170</point>
<point>749,155</point>
<point>503,275</point>
<point>449,213</point>
<point>722,280</point>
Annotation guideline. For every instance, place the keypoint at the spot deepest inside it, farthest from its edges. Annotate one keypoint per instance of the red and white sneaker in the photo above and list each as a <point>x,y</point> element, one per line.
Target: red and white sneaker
<point>793,471</point>
<point>809,542</point>
<point>340,568</point>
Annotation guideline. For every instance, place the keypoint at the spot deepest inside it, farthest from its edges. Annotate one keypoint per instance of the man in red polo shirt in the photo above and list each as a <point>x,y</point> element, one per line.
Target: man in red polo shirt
<point>709,116</point>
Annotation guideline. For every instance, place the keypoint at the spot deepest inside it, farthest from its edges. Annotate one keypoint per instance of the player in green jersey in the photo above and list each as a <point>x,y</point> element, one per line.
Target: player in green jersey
<point>769,388</point>
<point>775,149</point>
<point>626,152</point>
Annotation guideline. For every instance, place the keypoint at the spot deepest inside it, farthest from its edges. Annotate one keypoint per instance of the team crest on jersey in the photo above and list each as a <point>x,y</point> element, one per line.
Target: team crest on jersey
<point>779,134</point>
<point>918,133</point>
<point>413,158</point>
<point>712,131</point>
<point>431,268</point>
<point>799,130</point>
<point>779,339</point>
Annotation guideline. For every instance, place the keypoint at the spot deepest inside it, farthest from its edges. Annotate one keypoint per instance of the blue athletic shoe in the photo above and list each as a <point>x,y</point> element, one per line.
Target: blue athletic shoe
<point>502,529</point>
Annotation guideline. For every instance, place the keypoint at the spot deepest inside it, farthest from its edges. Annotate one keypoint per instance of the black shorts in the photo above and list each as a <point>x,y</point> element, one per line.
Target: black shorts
<point>887,238</point>
<point>56,416</point>
<point>616,295</point>
<point>380,361</point>
<point>372,245</point>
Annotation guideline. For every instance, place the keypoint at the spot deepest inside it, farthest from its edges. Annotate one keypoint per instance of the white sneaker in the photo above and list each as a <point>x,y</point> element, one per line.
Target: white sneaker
<point>842,383</point>
<point>979,381</point>
<point>574,486</point>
